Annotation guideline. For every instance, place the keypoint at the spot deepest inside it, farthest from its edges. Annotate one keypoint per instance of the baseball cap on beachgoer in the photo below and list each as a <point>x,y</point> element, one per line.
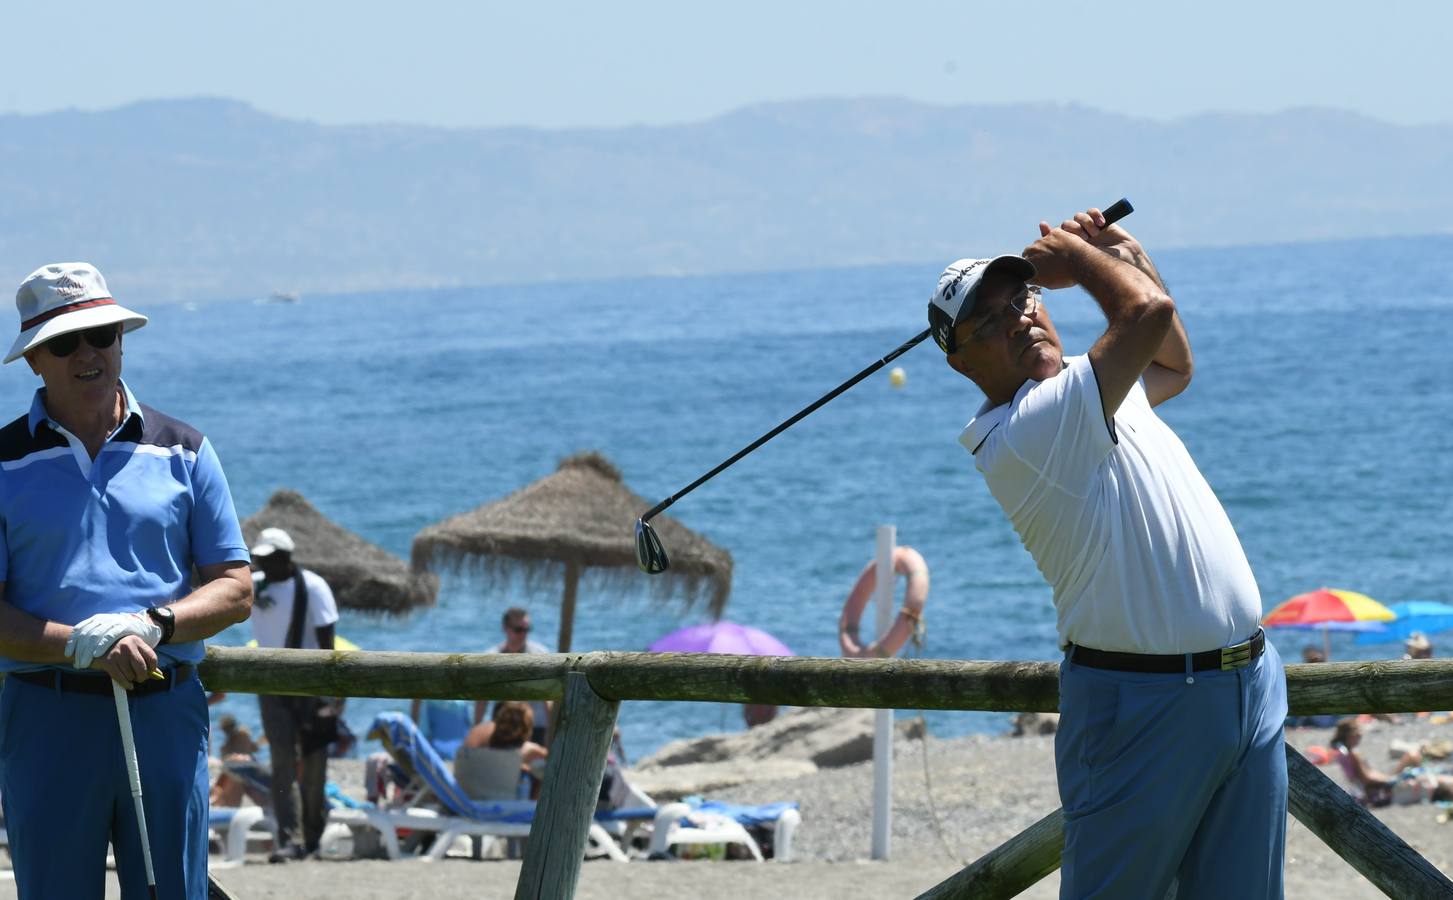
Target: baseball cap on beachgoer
<point>958,290</point>
<point>270,541</point>
<point>64,297</point>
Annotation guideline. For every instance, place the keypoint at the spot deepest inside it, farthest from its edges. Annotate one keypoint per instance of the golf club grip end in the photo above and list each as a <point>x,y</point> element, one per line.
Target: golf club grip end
<point>1117,211</point>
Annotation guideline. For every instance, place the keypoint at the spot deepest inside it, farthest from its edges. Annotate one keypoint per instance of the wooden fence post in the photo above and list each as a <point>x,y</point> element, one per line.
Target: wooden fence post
<point>567,801</point>
<point>1010,868</point>
<point>1358,836</point>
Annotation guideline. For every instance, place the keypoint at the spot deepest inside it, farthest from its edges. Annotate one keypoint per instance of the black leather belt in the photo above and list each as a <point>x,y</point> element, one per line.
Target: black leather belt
<point>81,683</point>
<point>1237,656</point>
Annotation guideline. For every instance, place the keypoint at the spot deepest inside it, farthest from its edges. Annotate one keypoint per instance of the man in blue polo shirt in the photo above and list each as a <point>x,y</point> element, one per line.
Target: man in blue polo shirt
<point>106,506</point>
<point>1169,749</point>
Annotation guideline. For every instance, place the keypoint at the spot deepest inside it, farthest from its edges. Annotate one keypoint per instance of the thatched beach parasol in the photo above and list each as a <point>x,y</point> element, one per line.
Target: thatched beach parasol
<point>363,576</point>
<point>580,517</point>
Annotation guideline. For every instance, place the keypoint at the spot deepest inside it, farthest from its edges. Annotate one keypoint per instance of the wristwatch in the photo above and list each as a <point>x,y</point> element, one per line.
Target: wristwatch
<point>163,616</point>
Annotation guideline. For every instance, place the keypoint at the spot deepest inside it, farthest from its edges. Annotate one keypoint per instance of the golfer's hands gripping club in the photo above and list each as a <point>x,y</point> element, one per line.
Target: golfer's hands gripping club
<point>1054,255</point>
<point>101,640</point>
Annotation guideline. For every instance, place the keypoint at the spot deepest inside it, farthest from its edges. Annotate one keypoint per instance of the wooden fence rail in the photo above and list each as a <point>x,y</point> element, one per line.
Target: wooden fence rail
<point>1382,686</point>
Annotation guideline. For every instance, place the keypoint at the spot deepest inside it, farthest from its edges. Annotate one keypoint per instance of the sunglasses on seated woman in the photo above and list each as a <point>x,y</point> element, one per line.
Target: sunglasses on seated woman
<point>100,337</point>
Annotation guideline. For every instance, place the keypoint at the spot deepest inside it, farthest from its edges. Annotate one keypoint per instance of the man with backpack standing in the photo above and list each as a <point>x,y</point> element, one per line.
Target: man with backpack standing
<point>294,607</point>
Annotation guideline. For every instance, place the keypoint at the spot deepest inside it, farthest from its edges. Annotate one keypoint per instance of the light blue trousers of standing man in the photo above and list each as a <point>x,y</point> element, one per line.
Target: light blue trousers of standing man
<point>1173,777</point>
<point>67,795</point>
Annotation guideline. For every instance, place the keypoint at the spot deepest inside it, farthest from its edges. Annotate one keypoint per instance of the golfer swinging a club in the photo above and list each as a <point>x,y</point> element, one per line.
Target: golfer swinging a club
<point>1169,754</point>
<point>106,506</point>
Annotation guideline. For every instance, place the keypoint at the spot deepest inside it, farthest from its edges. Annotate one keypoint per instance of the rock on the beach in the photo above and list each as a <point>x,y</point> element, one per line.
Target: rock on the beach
<point>796,743</point>
<point>674,782</point>
<point>825,737</point>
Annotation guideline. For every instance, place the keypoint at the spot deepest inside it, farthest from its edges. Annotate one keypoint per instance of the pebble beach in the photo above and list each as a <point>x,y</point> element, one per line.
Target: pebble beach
<point>953,801</point>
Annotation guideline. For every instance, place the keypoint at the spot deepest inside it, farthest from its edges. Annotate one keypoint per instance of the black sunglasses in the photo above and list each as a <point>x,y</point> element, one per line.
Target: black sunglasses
<point>100,337</point>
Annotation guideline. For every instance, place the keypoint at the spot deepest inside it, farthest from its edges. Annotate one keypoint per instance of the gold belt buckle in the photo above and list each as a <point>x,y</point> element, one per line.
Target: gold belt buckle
<point>1237,657</point>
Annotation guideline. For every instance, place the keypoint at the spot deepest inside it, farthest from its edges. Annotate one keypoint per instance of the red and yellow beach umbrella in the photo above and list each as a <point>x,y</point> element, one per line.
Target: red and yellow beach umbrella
<point>1329,608</point>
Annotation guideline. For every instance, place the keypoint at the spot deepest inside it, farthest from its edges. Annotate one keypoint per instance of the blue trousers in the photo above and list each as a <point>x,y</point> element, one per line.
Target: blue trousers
<point>1173,777</point>
<point>66,793</point>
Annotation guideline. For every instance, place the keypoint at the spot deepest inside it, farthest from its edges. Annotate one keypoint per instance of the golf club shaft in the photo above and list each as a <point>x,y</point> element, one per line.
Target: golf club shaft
<point>902,348</point>
<point>1112,213</point>
<point>128,749</point>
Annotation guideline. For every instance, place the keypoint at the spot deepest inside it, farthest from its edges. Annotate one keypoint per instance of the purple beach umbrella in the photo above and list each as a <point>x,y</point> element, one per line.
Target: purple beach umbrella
<point>721,637</point>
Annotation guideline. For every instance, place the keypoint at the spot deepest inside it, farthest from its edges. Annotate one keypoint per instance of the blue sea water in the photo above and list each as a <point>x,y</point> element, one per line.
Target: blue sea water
<point>1320,413</point>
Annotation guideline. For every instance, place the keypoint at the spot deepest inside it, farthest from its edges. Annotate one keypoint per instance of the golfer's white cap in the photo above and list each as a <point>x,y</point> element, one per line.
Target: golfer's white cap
<point>64,297</point>
<point>958,289</point>
<point>271,541</point>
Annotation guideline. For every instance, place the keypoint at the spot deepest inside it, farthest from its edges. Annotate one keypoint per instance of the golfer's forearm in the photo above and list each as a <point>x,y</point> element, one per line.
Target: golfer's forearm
<point>1175,350</point>
<point>26,638</point>
<point>224,600</point>
<point>1125,294</point>
<point>1135,254</point>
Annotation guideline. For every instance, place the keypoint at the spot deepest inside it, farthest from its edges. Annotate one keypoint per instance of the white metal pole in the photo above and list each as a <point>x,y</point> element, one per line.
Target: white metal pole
<point>883,721</point>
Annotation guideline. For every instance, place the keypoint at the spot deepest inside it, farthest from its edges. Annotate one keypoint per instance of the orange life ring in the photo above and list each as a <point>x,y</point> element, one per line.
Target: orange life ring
<point>907,562</point>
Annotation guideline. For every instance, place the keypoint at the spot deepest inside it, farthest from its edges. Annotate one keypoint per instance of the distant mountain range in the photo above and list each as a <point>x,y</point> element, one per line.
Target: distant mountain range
<point>197,199</point>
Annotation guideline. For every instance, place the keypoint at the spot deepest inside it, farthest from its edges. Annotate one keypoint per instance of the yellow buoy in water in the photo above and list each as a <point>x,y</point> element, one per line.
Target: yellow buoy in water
<point>897,377</point>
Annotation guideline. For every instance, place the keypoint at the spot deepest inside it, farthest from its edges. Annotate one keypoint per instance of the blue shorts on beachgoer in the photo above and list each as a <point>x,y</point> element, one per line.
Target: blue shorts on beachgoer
<point>1167,777</point>
<point>59,825</point>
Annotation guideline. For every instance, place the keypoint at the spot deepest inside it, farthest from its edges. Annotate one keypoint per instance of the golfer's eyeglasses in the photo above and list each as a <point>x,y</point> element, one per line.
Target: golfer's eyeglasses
<point>1026,304</point>
<point>100,337</point>
<point>520,629</point>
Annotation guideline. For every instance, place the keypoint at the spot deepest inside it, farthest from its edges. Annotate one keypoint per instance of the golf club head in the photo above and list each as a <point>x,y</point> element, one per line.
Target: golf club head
<point>650,554</point>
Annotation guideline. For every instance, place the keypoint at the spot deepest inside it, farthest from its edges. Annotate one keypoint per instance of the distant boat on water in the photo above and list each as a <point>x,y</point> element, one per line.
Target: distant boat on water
<point>283,297</point>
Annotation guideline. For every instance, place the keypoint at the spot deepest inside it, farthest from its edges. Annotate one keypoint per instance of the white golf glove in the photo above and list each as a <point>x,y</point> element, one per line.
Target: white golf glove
<point>95,636</point>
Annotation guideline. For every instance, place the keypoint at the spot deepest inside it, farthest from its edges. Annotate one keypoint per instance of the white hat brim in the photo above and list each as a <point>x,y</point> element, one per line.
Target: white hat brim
<point>79,320</point>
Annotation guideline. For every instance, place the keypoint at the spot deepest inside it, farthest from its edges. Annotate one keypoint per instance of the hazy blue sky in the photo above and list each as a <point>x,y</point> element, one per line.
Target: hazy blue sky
<point>607,64</point>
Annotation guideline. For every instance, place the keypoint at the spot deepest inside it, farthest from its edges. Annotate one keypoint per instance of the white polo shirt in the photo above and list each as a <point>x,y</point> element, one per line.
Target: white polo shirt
<point>272,609</point>
<point>1141,556</point>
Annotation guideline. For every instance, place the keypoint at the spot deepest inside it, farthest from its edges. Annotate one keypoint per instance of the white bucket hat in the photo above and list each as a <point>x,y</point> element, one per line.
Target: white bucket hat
<point>64,297</point>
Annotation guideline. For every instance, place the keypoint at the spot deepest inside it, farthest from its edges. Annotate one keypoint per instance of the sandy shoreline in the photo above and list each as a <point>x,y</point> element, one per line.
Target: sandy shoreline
<point>952,803</point>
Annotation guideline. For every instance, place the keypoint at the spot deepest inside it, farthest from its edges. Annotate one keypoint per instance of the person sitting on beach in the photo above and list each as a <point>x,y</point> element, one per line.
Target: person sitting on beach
<point>237,740</point>
<point>237,747</point>
<point>443,722</point>
<point>496,754</point>
<point>1408,783</point>
<point>1418,646</point>
<point>1311,653</point>
<point>517,626</point>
